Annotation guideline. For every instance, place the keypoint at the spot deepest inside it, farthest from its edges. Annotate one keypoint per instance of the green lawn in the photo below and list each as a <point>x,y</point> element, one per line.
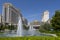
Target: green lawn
<point>30,38</point>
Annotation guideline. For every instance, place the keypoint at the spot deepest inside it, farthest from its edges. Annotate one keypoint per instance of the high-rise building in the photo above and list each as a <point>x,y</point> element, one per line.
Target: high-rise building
<point>45,16</point>
<point>10,14</point>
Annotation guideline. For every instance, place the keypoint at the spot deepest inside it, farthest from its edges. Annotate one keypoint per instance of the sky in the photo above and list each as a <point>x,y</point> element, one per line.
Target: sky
<point>33,9</point>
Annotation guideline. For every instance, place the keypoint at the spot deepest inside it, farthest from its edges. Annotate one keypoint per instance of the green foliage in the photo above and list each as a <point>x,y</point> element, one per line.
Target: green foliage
<point>2,27</point>
<point>55,22</point>
<point>31,38</point>
<point>45,27</point>
<point>11,27</point>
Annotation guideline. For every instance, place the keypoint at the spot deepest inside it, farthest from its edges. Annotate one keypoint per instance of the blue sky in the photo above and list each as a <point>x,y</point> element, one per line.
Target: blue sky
<point>33,9</point>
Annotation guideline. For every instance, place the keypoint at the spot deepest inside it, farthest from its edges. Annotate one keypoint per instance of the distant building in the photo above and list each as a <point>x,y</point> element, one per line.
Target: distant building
<point>45,16</point>
<point>0,19</point>
<point>25,21</point>
<point>10,14</point>
<point>35,24</point>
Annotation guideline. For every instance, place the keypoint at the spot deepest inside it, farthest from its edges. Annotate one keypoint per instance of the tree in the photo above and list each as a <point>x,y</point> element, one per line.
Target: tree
<point>11,27</point>
<point>55,22</point>
<point>2,27</point>
<point>45,27</point>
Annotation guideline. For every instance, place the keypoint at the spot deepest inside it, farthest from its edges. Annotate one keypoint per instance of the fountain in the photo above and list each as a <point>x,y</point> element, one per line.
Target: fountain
<point>31,31</point>
<point>20,27</point>
<point>21,32</point>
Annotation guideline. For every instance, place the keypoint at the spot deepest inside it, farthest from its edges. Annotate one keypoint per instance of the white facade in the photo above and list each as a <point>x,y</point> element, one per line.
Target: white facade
<point>45,16</point>
<point>10,14</point>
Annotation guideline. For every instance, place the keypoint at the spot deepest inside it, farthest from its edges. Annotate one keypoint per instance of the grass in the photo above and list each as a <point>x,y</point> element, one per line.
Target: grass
<point>30,38</point>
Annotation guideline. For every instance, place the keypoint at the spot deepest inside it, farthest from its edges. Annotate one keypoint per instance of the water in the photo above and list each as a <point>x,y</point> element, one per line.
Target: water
<point>31,31</point>
<point>20,27</point>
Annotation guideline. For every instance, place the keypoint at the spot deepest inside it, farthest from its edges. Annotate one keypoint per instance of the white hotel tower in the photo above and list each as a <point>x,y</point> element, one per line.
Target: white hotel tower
<point>45,16</point>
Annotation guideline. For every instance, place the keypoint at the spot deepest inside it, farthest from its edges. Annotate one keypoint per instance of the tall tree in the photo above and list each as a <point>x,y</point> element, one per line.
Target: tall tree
<point>55,22</point>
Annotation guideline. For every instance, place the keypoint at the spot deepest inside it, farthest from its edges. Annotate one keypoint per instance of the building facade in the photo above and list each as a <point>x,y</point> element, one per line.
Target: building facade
<point>35,24</point>
<point>45,16</point>
<point>0,19</point>
<point>25,21</point>
<point>10,14</point>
